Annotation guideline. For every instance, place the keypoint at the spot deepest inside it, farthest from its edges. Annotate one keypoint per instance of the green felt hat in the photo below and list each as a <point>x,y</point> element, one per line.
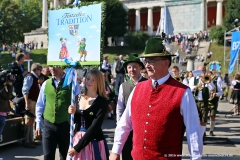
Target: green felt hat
<point>155,48</point>
<point>133,57</point>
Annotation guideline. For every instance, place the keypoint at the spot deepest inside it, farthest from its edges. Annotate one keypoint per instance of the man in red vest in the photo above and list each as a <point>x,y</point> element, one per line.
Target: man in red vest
<point>157,110</point>
<point>30,92</point>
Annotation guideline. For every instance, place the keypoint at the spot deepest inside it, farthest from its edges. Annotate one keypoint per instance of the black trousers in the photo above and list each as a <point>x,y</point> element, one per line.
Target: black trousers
<point>53,135</point>
<point>127,148</point>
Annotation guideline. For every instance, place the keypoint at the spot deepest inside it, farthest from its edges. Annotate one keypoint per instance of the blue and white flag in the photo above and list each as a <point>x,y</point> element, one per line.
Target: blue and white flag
<point>235,45</point>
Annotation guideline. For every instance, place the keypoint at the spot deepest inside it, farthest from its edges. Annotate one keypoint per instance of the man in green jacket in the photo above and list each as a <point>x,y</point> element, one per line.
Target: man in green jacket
<point>52,104</point>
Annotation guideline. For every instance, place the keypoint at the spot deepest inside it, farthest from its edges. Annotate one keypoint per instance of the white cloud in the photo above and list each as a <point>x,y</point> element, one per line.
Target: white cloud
<point>86,32</point>
<point>63,28</point>
<point>69,42</point>
<point>90,36</point>
<point>58,34</point>
<point>98,30</point>
<point>93,26</point>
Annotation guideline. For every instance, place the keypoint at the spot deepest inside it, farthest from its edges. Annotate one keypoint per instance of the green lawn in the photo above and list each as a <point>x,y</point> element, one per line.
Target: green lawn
<point>218,55</point>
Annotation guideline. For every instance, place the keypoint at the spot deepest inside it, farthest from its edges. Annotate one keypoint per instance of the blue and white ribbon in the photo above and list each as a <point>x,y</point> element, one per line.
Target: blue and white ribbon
<point>76,2</point>
<point>71,77</point>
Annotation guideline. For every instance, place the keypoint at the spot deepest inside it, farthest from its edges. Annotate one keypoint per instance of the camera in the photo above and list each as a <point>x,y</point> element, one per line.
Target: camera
<point>14,69</point>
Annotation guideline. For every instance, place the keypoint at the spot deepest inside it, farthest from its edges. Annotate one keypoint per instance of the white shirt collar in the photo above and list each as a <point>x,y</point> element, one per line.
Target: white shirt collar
<point>161,80</point>
<point>34,74</point>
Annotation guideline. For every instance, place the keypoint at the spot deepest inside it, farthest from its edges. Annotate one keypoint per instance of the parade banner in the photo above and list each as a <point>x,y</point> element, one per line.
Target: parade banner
<point>235,45</point>
<point>76,33</point>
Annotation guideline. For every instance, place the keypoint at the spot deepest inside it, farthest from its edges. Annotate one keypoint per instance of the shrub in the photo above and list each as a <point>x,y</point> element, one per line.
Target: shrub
<point>136,40</point>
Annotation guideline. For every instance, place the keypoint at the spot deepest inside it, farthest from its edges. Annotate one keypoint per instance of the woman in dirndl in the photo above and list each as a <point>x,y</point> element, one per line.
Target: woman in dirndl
<point>91,106</point>
<point>235,97</point>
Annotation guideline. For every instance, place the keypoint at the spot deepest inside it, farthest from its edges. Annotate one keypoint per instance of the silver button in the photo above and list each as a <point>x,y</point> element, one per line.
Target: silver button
<point>148,114</point>
<point>144,147</point>
<point>150,106</point>
<point>145,139</point>
<point>145,131</point>
<point>146,122</point>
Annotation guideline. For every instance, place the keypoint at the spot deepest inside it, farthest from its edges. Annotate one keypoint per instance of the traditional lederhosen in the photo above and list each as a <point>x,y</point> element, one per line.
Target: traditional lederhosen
<point>202,104</point>
<point>213,104</point>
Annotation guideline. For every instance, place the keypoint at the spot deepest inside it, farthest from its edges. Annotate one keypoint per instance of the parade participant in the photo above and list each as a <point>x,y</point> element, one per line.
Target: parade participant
<point>175,71</point>
<point>214,99</point>
<point>144,73</point>
<point>133,66</point>
<point>235,96</point>
<point>201,86</point>
<point>30,92</point>
<point>91,106</point>
<point>45,72</point>
<point>226,85</point>
<point>119,73</point>
<point>52,104</point>
<point>155,117</point>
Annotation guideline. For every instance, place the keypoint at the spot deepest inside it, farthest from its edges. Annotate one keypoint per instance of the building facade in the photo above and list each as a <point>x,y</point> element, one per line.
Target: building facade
<point>183,16</point>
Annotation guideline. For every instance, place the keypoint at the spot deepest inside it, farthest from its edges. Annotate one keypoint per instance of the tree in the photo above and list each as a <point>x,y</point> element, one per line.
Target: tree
<point>232,13</point>
<point>11,21</point>
<point>32,12</point>
<point>217,33</point>
<point>116,21</point>
<point>136,40</point>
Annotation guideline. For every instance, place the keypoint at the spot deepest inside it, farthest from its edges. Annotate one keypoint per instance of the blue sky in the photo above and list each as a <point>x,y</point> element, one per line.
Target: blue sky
<point>90,30</point>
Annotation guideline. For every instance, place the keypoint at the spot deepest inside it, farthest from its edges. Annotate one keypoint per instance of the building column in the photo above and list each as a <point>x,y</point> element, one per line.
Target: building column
<point>203,16</point>
<point>68,1</point>
<point>55,4</point>
<point>161,19</point>
<point>137,24</point>
<point>219,12</point>
<point>150,21</point>
<point>44,13</point>
<point>51,4</point>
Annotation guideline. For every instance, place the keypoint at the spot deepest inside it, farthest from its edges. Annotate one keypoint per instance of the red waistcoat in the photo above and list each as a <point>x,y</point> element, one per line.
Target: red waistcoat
<point>34,90</point>
<point>156,120</point>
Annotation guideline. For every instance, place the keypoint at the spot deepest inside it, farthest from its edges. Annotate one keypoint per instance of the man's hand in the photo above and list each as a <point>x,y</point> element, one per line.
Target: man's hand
<point>25,73</point>
<point>71,109</point>
<point>27,106</point>
<point>38,132</point>
<point>114,156</point>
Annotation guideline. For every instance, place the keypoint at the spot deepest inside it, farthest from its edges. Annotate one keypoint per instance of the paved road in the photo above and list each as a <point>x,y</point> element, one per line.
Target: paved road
<point>225,143</point>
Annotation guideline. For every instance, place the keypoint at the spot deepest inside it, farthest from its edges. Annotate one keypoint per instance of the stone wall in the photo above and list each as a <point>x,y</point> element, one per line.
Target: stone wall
<point>37,36</point>
<point>185,18</point>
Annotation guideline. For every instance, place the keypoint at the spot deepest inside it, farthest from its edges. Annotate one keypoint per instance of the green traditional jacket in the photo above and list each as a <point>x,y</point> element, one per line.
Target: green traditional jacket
<point>57,102</point>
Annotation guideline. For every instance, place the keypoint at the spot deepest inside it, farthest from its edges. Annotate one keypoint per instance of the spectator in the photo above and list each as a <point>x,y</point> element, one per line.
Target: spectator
<point>21,73</point>
<point>120,73</point>
<point>5,97</point>
<point>36,45</point>
<point>177,56</point>
<point>41,44</point>
<point>195,44</point>
<point>46,72</point>
<point>122,43</point>
<point>30,92</point>
<point>188,50</point>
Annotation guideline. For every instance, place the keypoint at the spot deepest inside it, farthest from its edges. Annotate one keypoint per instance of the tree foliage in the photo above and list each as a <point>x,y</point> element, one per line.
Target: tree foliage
<point>136,40</point>
<point>116,19</point>
<point>232,13</point>
<point>217,33</point>
<point>18,17</point>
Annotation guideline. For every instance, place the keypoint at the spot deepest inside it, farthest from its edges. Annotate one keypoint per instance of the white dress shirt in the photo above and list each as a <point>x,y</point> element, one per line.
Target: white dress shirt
<point>210,86</point>
<point>190,117</point>
<point>40,105</point>
<point>219,92</point>
<point>120,103</point>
